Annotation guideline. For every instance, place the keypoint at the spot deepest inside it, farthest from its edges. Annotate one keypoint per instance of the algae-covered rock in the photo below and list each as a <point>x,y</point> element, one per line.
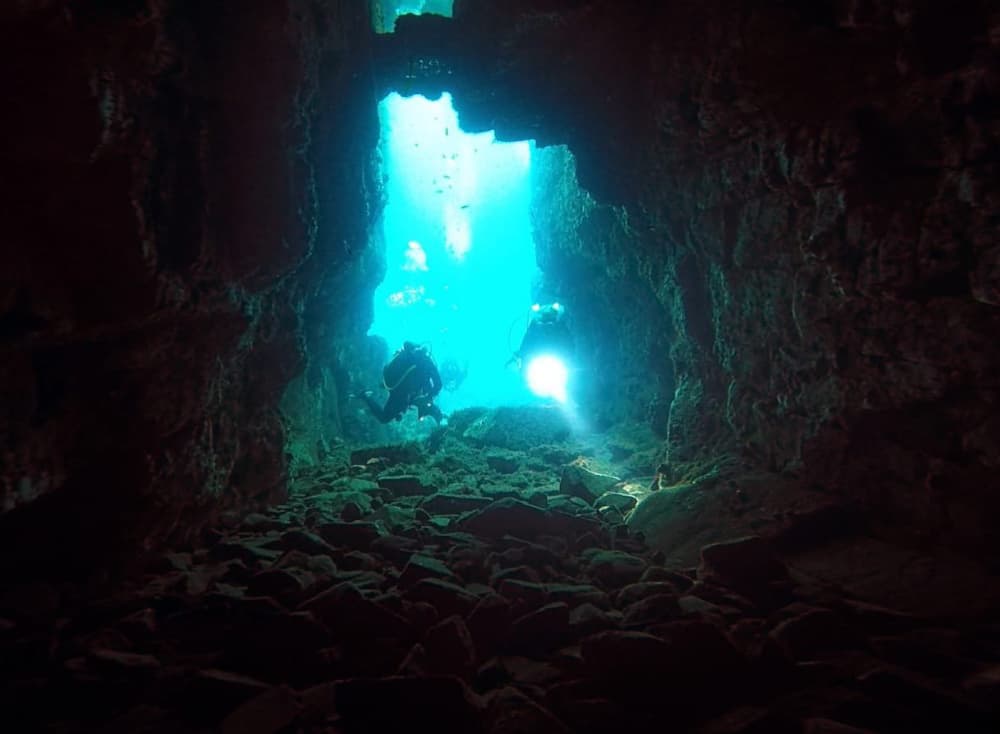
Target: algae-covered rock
<point>503,463</point>
<point>406,453</point>
<point>677,521</point>
<point>518,428</point>
<point>405,485</point>
<point>618,500</point>
<point>578,481</point>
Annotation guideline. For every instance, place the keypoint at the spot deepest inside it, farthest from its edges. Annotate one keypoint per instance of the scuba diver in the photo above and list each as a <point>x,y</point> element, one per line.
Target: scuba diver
<point>412,379</point>
<point>547,334</point>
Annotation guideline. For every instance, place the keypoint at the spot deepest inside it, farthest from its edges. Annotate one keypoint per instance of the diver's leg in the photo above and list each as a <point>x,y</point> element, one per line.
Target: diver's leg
<point>374,408</point>
<point>395,405</point>
<point>426,406</point>
<point>435,412</point>
<point>380,413</point>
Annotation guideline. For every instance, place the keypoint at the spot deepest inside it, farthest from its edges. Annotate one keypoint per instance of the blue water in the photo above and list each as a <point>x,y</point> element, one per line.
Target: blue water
<point>460,255</point>
<point>390,10</point>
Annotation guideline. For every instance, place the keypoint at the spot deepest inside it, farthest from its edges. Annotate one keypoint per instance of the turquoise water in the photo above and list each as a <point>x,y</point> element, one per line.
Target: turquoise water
<point>389,10</point>
<point>460,255</point>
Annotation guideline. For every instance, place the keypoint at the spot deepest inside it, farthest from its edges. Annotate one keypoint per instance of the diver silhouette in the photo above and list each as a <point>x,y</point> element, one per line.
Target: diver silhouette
<point>547,334</point>
<point>412,379</point>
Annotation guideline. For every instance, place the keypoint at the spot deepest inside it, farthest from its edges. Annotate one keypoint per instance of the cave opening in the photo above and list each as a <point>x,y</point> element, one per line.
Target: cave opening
<point>460,256</point>
<point>785,508</point>
<point>385,13</point>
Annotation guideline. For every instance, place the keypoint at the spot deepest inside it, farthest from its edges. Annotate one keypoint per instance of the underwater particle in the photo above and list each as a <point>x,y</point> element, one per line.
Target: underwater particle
<point>405,297</point>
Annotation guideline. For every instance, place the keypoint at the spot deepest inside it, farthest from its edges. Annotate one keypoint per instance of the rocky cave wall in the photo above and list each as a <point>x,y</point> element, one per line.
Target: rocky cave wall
<point>188,191</point>
<point>803,194</point>
<point>622,333</point>
<point>810,193</point>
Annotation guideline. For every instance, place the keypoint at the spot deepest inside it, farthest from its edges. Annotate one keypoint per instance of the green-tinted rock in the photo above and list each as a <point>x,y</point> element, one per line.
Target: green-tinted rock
<point>614,568</point>
<point>616,500</point>
<point>453,504</point>
<point>422,567</point>
<point>408,453</point>
<point>503,463</point>
<point>578,481</point>
<point>404,485</point>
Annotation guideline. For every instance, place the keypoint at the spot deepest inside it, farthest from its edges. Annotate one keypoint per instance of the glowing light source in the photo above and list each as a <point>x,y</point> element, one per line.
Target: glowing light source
<point>547,377</point>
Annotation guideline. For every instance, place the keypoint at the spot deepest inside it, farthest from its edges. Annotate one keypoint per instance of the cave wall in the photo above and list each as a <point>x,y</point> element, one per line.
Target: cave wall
<point>811,194</point>
<point>803,194</point>
<point>186,185</point>
<point>621,331</point>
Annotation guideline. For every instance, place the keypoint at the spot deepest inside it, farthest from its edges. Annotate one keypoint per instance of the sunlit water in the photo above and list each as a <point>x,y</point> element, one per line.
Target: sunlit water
<point>386,12</point>
<point>460,255</point>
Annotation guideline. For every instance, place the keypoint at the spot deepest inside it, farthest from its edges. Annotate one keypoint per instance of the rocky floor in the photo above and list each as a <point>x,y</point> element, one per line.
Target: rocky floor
<point>494,589</point>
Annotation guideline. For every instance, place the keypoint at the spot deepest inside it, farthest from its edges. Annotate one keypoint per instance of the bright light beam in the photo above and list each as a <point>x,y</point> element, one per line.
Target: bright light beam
<point>547,377</point>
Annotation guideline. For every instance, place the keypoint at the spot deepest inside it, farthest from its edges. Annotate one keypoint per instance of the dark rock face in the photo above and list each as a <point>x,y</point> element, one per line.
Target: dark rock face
<point>787,255</point>
<point>777,234</point>
<point>165,179</point>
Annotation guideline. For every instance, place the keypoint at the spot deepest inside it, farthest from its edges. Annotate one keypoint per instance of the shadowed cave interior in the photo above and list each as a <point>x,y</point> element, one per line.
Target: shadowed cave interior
<point>772,507</point>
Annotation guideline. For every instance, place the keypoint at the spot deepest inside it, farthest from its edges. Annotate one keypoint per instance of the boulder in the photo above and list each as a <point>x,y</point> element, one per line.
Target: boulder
<point>588,619</point>
<point>421,566</point>
<point>625,656</point>
<point>288,585</point>
<point>578,481</point>
<point>446,598</point>
<point>442,503</point>
<point>405,485</point>
<point>408,453</point>
<point>346,611</point>
<point>651,610</point>
<point>442,704</point>
<point>489,623</point>
<point>577,594</point>
<point>508,516</point>
<point>510,711</point>
<point>812,632</point>
<point>614,569</point>
<point>617,501</point>
<point>355,535</point>
<point>306,542</point>
<point>212,692</point>
<point>449,648</point>
<point>541,630</point>
<point>749,566</point>
<point>503,463</point>
<point>268,713</point>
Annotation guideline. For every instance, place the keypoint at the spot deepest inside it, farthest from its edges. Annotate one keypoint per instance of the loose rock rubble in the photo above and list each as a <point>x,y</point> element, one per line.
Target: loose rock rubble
<point>387,600</point>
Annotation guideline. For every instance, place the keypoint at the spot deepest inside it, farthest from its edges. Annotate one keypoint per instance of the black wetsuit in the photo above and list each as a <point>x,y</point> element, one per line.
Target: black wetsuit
<point>416,382</point>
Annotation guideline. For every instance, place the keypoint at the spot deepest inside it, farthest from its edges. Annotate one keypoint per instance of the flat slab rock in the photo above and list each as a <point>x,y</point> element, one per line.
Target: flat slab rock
<point>390,455</point>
